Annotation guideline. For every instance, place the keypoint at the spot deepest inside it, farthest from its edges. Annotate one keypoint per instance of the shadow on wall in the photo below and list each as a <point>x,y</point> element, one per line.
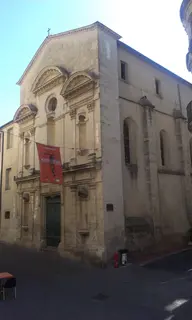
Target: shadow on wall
<point>139,233</point>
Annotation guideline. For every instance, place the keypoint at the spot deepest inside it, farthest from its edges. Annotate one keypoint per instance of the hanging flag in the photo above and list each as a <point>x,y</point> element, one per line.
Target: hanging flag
<point>50,164</point>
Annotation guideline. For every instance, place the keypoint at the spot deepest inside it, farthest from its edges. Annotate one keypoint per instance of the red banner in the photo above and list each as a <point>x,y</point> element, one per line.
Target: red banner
<point>50,164</point>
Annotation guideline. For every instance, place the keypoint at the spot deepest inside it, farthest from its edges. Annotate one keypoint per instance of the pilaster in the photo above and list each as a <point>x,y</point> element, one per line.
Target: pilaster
<point>73,126</point>
<point>37,221</point>
<point>62,242</point>
<point>151,164</point>
<point>184,157</point>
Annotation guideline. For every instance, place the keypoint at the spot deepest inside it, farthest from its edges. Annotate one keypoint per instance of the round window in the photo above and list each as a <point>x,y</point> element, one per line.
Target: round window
<point>52,104</point>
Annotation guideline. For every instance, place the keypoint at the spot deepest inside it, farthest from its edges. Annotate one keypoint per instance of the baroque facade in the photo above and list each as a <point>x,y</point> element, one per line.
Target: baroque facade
<point>120,122</point>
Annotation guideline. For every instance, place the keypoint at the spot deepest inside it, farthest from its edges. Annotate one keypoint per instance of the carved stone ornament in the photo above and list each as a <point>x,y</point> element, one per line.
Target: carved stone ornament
<point>49,78</point>
<point>78,83</point>
<point>90,106</point>
<point>72,113</point>
<point>32,131</point>
<point>26,196</point>
<point>25,112</point>
<point>73,187</point>
<point>21,135</point>
<point>83,192</point>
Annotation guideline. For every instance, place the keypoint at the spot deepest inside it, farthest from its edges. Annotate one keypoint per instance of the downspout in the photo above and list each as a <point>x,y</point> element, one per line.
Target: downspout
<point>1,182</point>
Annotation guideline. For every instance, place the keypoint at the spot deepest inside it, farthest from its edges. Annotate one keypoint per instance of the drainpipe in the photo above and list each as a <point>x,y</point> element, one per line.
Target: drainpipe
<point>1,177</point>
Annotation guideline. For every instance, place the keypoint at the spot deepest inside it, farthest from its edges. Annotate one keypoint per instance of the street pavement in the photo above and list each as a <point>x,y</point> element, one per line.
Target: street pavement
<point>49,287</point>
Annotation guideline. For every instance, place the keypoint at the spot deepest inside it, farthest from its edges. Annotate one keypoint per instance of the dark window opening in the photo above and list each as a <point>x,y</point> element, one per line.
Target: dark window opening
<point>162,147</point>
<point>123,70</point>
<point>7,214</point>
<point>126,143</point>
<point>7,179</point>
<point>189,111</point>
<point>190,148</point>
<point>109,207</point>
<point>157,87</point>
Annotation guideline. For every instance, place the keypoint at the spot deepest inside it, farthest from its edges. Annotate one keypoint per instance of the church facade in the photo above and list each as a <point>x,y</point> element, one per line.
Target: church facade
<point>120,122</point>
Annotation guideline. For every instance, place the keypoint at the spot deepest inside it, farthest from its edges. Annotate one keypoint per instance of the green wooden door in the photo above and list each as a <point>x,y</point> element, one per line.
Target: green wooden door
<point>53,221</point>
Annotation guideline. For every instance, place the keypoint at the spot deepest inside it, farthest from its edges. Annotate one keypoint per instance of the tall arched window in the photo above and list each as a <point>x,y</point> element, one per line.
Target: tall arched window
<point>130,143</point>
<point>164,148</point>
<point>126,142</point>
<point>82,132</point>
<point>190,149</point>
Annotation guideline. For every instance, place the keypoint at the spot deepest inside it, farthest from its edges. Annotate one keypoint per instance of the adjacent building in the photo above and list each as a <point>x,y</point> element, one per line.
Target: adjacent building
<point>120,122</point>
<point>186,18</point>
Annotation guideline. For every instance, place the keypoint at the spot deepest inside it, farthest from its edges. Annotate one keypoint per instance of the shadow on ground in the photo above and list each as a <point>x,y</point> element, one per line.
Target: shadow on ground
<point>50,287</point>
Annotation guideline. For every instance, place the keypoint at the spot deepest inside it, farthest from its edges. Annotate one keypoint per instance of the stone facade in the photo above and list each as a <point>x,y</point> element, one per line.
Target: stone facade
<point>82,90</point>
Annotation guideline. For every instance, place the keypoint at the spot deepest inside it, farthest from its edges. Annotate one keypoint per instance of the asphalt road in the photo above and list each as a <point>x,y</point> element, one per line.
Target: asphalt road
<point>49,287</point>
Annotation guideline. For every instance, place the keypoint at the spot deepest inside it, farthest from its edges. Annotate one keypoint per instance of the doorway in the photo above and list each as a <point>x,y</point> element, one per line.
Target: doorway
<point>53,221</point>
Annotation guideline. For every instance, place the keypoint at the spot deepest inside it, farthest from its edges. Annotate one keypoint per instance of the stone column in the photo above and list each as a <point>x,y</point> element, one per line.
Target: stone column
<point>73,120</point>
<point>151,163</point>
<point>92,218</point>
<point>37,237</point>
<point>32,148</point>
<point>62,242</point>
<point>91,128</point>
<point>14,220</point>
<point>31,215</point>
<point>71,223</point>
<point>19,217</point>
<point>20,154</point>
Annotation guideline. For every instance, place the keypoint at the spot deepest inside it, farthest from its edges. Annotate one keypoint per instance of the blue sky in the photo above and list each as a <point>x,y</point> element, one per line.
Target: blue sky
<point>151,27</point>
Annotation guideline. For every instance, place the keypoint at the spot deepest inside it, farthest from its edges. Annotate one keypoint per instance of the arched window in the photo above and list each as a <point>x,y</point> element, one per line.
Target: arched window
<point>82,132</point>
<point>190,149</point>
<point>126,142</point>
<point>52,105</point>
<point>164,151</point>
<point>130,145</point>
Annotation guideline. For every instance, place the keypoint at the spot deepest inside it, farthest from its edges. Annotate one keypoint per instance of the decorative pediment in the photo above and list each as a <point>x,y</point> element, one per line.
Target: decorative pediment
<point>49,78</point>
<point>77,84</point>
<point>25,112</point>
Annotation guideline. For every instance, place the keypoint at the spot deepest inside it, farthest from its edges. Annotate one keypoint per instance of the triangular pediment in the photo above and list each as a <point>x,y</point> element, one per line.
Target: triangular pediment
<point>48,78</point>
<point>50,39</point>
